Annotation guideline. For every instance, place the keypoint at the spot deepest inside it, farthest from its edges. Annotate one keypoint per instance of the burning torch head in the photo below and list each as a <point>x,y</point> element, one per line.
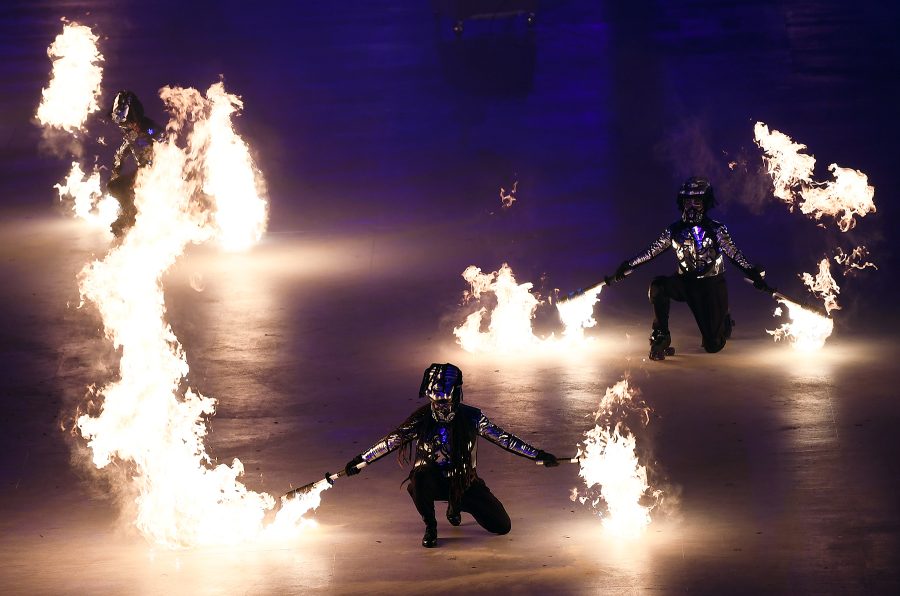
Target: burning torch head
<point>442,384</point>
<point>695,198</point>
<point>126,109</point>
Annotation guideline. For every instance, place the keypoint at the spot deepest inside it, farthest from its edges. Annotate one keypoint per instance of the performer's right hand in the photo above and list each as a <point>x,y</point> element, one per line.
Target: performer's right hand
<point>350,469</point>
<point>757,276</point>
<point>623,270</point>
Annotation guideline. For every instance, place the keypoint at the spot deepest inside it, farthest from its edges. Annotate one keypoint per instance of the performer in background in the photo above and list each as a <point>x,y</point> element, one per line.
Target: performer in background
<point>138,135</point>
<point>699,243</point>
<point>440,439</point>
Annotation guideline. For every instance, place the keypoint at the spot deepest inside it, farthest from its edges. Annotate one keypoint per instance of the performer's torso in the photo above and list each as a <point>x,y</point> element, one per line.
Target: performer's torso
<point>696,249</point>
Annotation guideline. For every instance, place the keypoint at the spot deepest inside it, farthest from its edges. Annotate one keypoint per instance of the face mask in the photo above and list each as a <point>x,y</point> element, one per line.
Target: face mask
<point>693,212</point>
<point>443,409</point>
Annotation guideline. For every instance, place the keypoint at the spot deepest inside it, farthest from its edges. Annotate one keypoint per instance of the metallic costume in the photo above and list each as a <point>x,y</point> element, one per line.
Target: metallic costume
<point>445,434</point>
<point>698,248</point>
<point>138,135</point>
<point>433,446</point>
<point>699,244</point>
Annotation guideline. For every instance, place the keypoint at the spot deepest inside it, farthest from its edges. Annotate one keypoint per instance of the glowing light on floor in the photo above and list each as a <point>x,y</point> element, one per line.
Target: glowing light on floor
<point>845,197</point>
<point>616,485</point>
<point>150,419</point>
<point>74,87</point>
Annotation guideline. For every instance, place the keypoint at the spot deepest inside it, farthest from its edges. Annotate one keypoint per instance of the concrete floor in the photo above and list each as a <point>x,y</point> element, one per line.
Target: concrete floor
<point>385,141</point>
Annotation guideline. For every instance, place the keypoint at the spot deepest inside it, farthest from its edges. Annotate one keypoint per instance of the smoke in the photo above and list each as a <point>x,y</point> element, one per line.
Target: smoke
<point>738,175</point>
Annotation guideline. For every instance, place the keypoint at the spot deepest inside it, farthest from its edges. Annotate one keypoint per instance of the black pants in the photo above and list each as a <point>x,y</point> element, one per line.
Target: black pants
<point>122,188</point>
<point>427,485</point>
<point>707,298</point>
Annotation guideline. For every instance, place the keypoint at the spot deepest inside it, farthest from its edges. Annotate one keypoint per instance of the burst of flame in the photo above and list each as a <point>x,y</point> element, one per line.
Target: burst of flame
<point>856,259</point>
<point>577,314</point>
<point>89,202</point>
<point>806,330</point>
<point>507,199</point>
<point>151,420</point>
<point>290,515</point>
<point>511,315</point>
<point>75,81</point>
<point>823,286</point>
<point>608,461</point>
<point>509,329</point>
<point>784,161</point>
<point>230,177</point>
<point>847,195</point>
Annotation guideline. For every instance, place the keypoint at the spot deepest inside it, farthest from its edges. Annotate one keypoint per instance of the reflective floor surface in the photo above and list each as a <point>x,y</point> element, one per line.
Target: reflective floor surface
<point>385,139</point>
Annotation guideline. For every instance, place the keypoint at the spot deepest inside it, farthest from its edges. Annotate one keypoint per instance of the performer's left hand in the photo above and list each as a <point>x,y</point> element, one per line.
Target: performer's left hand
<point>548,459</point>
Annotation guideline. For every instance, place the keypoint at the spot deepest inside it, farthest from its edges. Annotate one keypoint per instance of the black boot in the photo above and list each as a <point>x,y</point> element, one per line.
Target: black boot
<point>453,516</point>
<point>660,342</point>
<point>429,540</point>
<point>729,326</point>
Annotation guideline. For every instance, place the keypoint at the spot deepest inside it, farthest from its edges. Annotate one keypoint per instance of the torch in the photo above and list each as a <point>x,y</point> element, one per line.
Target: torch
<point>804,305</point>
<point>319,485</point>
<point>581,292</point>
<point>594,289</point>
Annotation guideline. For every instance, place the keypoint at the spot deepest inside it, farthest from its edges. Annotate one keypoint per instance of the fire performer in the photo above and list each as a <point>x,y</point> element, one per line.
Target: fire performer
<point>699,243</point>
<point>440,438</point>
<point>138,135</point>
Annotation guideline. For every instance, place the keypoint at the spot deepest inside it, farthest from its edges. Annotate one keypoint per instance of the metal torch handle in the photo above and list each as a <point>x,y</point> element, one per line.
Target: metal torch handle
<point>562,460</point>
<point>808,307</point>
<point>332,477</point>
<point>582,292</point>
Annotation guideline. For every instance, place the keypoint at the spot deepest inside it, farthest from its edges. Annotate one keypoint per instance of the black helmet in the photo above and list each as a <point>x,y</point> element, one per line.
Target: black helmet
<point>126,107</point>
<point>696,186</point>
<point>442,380</point>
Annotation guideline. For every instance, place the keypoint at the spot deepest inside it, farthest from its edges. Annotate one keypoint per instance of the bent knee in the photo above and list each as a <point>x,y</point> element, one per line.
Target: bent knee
<point>502,529</point>
<point>712,348</point>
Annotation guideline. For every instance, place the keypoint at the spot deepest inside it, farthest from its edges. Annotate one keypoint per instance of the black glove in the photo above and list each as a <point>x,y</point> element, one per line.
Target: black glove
<point>623,270</point>
<point>548,459</point>
<point>350,469</point>
<point>757,275</point>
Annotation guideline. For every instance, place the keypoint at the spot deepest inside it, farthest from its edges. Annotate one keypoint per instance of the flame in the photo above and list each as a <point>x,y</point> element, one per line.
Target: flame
<point>507,199</point>
<point>510,321</point>
<point>75,81</point>
<point>509,329</point>
<point>230,177</point>
<point>784,162</point>
<point>854,260</point>
<point>823,286</point>
<point>608,461</point>
<point>89,202</point>
<point>806,330</point>
<point>577,314</point>
<point>150,419</point>
<point>847,195</point>
<point>290,515</point>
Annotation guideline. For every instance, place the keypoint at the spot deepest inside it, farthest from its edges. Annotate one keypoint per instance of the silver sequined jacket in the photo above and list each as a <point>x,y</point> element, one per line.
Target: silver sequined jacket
<point>698,249</point>
<point>435,447</point>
